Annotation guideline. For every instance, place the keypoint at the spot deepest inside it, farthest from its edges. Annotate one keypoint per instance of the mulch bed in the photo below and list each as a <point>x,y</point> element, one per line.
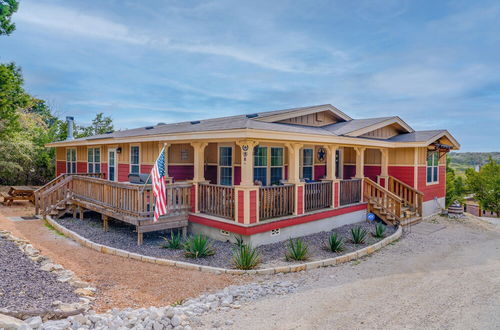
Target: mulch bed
<point>122,236</point>
<point>24,287</point>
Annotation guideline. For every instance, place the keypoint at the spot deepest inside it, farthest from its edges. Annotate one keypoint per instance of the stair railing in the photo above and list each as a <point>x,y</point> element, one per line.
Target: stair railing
<point>388,202</point>
<point>411,197</point>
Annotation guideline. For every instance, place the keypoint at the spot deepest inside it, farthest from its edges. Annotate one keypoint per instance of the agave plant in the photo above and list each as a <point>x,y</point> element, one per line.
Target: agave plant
<point>246,257</point>
<point>358,235</point>
<point>379,230</point>
<point>174,242</point>
<point>297,250</point>
<point>239,241</point>
<point>335,243</point>
<point>198,246</point>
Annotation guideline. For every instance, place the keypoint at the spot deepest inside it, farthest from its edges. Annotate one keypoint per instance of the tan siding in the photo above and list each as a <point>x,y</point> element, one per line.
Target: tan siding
<point>383,132</point>
<point>237,155</point>
<point>174,154</point>
<point>372,157</point>
<point>349,155</point>
<point>81,154</point>
<point>61,153</point>
<point>401,156</point>
<point>314,119</point>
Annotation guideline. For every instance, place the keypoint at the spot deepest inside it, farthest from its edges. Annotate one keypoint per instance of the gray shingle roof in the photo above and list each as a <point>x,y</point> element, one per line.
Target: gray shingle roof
<point>353,125</point>
<point>417,136</point>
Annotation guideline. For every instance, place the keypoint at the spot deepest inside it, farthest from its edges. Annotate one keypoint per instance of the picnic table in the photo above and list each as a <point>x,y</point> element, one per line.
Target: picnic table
<point>21,193</point>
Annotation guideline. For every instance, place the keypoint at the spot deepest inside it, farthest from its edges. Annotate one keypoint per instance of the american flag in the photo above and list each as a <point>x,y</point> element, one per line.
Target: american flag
<point>158,181</point>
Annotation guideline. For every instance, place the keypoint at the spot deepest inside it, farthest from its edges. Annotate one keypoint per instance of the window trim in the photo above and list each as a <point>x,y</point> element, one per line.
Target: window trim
<point>93,160</point>
<point>71,161</point>
<point>225,145</point>
<point>302,163</point>
<point>268,161</point>
<point>269,165</point>
<point>436,181</point>
<point>116,163</point>
<point>271,162</point>
<point>130,158</point>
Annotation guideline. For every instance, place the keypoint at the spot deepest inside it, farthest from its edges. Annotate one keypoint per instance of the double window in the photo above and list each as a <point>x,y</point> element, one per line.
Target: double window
<point>94,160</point>
<point>265,172</point>
<point>226,166</point>
<point>432,166</point>
<point>70,160</point>
<point>134,159</point>
<point>307,164</point>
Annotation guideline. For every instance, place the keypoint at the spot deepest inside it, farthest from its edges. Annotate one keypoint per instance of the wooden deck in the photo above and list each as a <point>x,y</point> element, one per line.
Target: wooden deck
<point>126,202</point>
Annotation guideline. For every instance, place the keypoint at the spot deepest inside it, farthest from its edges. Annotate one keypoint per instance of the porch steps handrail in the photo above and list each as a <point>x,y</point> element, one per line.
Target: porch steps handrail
<point>386,205</point>
<point>411,197</point>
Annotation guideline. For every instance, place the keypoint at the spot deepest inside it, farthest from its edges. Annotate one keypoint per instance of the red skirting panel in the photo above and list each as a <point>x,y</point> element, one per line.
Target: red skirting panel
<point>264,227</point>
<point>241,206</point>
<point>300,200</point>
<point>253,206</point>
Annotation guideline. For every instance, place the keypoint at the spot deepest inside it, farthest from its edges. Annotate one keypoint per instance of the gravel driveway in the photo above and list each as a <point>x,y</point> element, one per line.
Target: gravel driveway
<point>447,279</point>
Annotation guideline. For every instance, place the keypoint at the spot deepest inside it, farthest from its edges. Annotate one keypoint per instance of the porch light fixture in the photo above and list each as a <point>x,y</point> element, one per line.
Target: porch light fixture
<point>119,150</point>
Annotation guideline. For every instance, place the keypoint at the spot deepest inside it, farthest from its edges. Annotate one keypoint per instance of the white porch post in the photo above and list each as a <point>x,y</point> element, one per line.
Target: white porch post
<point>294,175</point>
<point>199,174</point>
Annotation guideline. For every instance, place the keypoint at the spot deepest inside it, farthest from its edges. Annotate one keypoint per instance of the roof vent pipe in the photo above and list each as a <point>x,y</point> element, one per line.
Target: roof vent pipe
<point>69,121</point>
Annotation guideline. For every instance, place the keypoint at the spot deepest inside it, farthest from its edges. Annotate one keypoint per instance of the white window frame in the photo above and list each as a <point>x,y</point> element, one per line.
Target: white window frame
<point>271,162</point>
<point>93,162</point>
<point>302,162</point>
<point>434,175</point>
<point>71,162</point>
<point>116,163</point>
<point>130,158</point>
<point>219,166</point>
<point>268,161</point>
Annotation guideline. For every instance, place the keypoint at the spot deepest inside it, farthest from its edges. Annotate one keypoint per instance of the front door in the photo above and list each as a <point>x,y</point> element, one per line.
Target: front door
<point>112,164</point>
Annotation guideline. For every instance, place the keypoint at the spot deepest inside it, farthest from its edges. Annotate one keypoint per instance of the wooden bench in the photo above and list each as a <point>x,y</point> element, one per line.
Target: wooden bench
<point>19,193</point>
<point>7,199</point>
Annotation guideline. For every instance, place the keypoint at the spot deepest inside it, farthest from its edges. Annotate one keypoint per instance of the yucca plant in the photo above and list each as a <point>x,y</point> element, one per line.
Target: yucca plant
<point>379,230</point>
<point>335,243</point>
<point>174,242</point>
<point>297,250</point>
<point>198,246</point>
<point>246,257</point>
<point>358,235</point>
<point>239,241</point>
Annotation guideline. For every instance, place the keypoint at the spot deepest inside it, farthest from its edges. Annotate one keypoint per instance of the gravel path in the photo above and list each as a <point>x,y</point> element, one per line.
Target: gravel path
<point>24,287</point>
<point>446,279</point>
<point>122,236</point>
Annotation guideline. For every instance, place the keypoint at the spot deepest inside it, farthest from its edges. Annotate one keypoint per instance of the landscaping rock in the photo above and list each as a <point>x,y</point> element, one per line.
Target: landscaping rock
<point>9,322</point>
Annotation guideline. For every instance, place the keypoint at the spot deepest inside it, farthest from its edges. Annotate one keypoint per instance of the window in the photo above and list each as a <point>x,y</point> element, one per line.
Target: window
<point>276,165</point>
<point>260,164</point>
<point>307,164</point>
<point>94,160</point>
<point>432,166</point>
<point>70,160</point>
<point>226,166</point>
<point>134,159</point>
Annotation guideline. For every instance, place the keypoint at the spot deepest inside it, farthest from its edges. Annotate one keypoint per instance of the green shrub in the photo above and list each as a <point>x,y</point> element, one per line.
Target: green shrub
<point>198,246</point>
<point>379,230</point>
<point>239,241</point>
<point>335,243</point>
<point>297,250</point>
<point>246,257</point>
<point>358,235</point>
<point>174,242</point>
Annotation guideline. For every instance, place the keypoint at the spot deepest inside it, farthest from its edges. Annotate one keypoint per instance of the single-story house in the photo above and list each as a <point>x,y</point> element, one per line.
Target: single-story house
<point>268,176</point>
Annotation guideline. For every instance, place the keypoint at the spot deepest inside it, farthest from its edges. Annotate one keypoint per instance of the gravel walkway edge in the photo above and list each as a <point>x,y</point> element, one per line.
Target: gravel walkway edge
<point>218,270</point>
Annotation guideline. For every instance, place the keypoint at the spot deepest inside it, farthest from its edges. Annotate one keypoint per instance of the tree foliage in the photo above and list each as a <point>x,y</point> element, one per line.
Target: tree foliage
<point>7,8</point>
<point>485,185</point>
<point>100,125</point>
<point>455,186</point>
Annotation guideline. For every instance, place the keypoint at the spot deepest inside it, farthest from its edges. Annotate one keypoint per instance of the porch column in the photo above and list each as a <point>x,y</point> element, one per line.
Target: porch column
<point>331,168</point>
<point>294,175</point>
<point>198,175</point>
<point>360,162</point>
<point>384,171</point>
<point>246,208</point>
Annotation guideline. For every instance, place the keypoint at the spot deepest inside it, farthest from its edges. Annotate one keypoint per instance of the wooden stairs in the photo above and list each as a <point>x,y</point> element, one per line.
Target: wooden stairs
<point>399,204</point>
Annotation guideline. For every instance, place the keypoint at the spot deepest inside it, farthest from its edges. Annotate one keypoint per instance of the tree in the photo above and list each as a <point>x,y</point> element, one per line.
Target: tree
<point>455,190</point>
<point>7,8</point>
<point>100,125</point>
<point>12,98</point>
<point>485,185</point>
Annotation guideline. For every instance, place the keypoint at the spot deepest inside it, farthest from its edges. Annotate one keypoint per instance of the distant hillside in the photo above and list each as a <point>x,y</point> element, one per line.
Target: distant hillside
<point>460,161</point>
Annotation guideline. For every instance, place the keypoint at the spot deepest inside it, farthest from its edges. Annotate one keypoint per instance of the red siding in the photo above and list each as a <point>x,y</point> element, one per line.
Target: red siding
<point>337,195</point>
<point>372,171</point>
<point>211,173</point>
<point>300,200</point>
<point>403,173</point>
<point>349,171</point>
<point>123,171</point>
<point>268,226</point>
<point>241,206</point>
<point>104,169</point>
<point>319,172</point>
<point>181,172</point>
<point>237,175</point>
<point>81,167</point>
<point>433,190</point>
<point>60,167</point>
<point>146,169</point>
<point>253,206</point>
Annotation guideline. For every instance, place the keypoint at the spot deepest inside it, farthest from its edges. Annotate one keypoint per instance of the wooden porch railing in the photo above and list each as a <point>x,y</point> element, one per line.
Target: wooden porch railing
<point>411,197</point>
<point>382,198</point>
<point>350,191</point>
<point>216,200</point>
<point>276,201</point>
<point>317,195</point>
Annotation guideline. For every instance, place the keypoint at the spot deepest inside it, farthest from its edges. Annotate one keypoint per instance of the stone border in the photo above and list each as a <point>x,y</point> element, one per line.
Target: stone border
<point>58,308</point>
<point>266,271</point>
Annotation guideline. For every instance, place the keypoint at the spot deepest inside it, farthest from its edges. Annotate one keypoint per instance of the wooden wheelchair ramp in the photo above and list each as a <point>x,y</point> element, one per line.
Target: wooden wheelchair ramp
<point>126,202</point>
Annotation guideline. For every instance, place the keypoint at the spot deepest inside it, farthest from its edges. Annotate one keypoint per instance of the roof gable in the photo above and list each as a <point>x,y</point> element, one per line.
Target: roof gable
<point>320,115</point>
<point>383,129</point>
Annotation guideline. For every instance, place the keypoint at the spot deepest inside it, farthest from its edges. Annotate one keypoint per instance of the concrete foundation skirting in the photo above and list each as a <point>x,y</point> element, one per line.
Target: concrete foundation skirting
<point>266,271</point>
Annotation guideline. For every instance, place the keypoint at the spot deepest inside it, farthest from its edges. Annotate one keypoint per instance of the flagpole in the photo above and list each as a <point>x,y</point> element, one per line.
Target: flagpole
<point>145,183</point>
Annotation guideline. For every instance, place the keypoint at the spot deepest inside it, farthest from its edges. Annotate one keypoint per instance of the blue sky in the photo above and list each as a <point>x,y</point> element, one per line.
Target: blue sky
<point>434,63</point>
